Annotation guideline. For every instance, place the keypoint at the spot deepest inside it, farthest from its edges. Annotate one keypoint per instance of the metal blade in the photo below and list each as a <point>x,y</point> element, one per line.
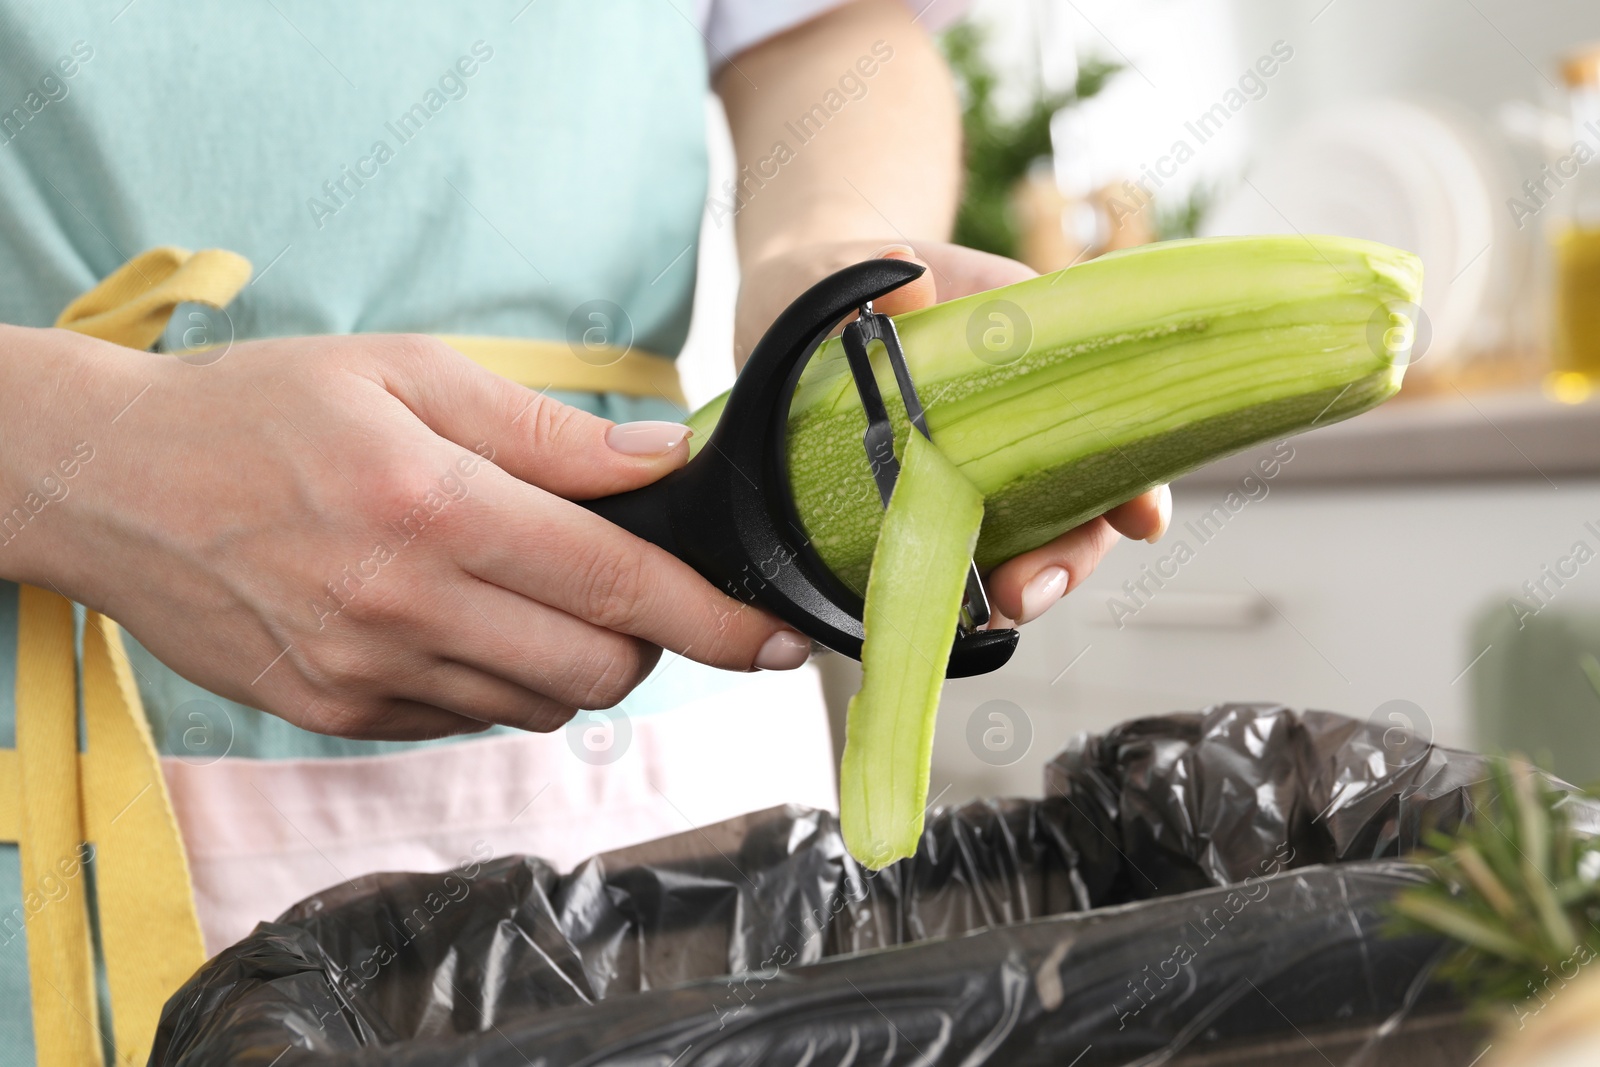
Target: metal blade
<point>879,438</point>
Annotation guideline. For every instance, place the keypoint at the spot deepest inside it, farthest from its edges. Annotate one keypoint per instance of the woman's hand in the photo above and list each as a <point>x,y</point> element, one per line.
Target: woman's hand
<point>1021,589</point>
<point>886,162</point>
<point>368,536</point>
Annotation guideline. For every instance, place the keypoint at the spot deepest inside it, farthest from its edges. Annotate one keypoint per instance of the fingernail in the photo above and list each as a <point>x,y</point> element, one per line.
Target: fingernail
<point>894,250</point>
<point>647,438</point>
<point>784,651</point>
<point>1164,509</point>
<point>1044,589</point>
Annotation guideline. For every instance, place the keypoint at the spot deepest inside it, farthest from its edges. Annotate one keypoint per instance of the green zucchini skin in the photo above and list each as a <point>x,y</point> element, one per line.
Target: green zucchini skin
<point>919,576</point>
<point>1141,366</point>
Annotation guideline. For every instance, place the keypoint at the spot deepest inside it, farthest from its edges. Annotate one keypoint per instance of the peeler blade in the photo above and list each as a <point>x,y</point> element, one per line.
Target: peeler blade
<point>870,326</point>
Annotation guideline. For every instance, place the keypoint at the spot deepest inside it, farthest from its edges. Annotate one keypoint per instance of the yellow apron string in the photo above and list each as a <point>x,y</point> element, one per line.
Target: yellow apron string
<point>59,803</point>
<point>148,928</point>
<point>132,304</point>
<point>66,1028</point>
<point>552,365</point>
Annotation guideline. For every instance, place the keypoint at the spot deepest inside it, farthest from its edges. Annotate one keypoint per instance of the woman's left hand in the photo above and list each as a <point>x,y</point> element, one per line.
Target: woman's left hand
<point>1021,589</point>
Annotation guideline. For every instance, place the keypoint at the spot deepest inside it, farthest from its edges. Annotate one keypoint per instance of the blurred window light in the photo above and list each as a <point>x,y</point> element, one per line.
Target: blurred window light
<point>1148,126</point>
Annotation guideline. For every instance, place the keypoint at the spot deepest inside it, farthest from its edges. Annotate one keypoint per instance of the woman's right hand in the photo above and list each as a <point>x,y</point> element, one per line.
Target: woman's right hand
<point>369,536</point>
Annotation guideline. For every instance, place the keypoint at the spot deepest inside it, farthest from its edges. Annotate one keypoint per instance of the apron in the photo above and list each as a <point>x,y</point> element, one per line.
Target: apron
<point>510,177</point>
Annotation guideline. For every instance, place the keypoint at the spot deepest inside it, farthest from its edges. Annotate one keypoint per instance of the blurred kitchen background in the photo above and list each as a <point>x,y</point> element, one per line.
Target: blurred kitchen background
<point>1435,564</point>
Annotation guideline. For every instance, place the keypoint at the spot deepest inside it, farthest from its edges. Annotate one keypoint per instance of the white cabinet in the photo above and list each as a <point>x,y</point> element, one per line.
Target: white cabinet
<point>1321,593</point>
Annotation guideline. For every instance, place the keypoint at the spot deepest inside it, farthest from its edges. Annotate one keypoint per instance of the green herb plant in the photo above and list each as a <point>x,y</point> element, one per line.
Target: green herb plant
<point>1000,149</point>
<point>1517,888</point>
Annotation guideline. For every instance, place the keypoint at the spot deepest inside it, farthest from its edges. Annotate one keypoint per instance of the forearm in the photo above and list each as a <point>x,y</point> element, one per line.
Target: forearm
<point>845,129</point>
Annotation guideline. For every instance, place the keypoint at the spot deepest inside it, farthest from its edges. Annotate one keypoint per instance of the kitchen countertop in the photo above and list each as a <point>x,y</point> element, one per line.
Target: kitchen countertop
<point>1454,437</point>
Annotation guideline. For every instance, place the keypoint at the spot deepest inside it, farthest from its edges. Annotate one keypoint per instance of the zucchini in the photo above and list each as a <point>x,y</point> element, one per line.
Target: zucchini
<point>1143,365</point>
<point>1102,381</point>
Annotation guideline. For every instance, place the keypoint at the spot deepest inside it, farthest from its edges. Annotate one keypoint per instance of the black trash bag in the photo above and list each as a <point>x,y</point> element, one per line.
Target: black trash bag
<point>1205,882</point>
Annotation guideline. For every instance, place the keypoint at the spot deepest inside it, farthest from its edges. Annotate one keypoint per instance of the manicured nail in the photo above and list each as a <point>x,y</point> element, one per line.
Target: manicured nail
<point>784,651</point>
<point>647,438</point>
<point>894,250</point>
<point>1164,509</point>
<point>1044,589</point>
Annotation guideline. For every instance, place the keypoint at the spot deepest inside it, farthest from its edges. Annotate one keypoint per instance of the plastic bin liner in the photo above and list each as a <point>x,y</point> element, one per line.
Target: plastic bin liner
<point>1197,882</point>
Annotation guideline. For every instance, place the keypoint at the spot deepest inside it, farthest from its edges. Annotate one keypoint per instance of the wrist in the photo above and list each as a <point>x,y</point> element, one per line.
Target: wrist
<point>842,245</point>
<point>60,396</point>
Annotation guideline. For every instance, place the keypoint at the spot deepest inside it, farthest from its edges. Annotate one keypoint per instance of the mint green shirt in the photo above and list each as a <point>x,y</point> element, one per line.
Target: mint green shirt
<point>452,170</point>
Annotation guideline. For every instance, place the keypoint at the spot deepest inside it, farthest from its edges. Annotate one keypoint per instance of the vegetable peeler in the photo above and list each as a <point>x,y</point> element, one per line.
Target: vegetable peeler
<point>729,512</point>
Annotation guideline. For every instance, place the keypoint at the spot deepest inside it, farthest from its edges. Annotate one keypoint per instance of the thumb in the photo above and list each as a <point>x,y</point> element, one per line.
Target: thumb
<point>534,437</point>
<point>914,294</point>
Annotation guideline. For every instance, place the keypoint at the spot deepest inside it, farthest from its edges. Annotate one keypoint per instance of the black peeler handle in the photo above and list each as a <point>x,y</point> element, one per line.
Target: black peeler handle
<point>729,513</point>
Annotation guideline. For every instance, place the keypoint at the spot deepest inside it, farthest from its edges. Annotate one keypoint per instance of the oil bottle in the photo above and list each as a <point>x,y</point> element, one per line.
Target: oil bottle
<point>1575,240</point>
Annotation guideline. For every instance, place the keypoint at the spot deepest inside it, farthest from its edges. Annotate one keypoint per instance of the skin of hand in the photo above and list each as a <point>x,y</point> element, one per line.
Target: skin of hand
<point>885,163</point>
<point>369,536</point>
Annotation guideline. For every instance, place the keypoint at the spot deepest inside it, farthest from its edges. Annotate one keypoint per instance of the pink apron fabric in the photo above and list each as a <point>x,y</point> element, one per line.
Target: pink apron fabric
<point>263,834</point>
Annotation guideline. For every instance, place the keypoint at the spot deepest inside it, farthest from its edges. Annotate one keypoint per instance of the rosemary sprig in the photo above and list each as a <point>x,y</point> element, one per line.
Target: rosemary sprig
<point>1518,888</point>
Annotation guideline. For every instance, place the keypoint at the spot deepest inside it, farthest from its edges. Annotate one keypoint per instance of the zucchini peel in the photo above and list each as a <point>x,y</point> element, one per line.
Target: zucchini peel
<point>913,603</point>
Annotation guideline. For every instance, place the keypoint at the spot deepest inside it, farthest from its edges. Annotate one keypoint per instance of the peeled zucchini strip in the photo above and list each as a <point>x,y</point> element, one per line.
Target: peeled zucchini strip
<point>914,595</point>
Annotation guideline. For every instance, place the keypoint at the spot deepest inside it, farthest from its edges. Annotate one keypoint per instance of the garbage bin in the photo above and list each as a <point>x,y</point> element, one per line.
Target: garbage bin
<point>1206,887</point>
